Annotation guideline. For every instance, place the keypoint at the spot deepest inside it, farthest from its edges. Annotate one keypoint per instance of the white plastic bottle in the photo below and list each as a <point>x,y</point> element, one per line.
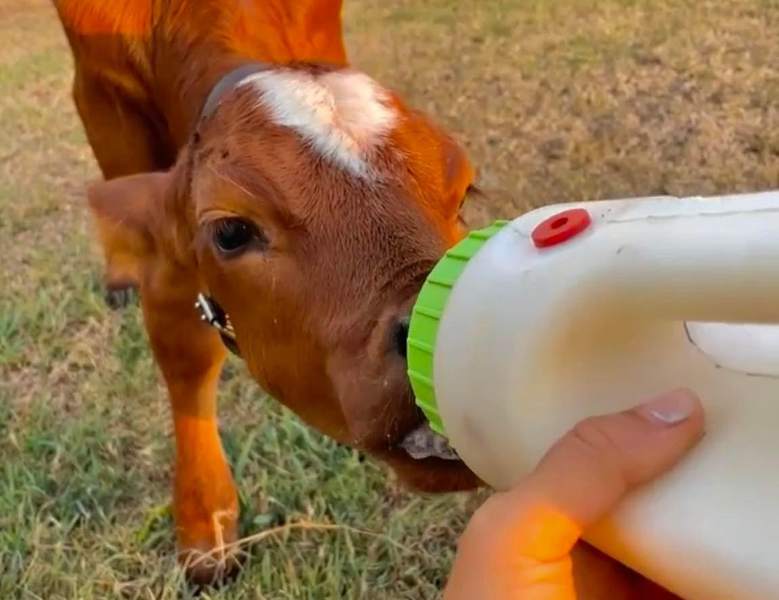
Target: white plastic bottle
<point>576,310</point>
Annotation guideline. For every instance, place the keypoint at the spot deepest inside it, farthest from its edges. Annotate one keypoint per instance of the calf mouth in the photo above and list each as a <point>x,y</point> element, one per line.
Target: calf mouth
<point>427,463</point>
<point>423,442</point>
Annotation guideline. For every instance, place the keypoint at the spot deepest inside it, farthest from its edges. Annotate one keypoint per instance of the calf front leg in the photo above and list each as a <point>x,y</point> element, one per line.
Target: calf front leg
<point>190,355</point>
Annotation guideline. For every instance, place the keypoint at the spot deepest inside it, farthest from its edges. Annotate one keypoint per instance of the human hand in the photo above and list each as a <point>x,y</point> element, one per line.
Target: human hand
<point>522,544</point>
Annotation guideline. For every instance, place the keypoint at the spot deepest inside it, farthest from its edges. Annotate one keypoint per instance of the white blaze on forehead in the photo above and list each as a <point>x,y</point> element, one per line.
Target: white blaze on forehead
<point>342,114</point>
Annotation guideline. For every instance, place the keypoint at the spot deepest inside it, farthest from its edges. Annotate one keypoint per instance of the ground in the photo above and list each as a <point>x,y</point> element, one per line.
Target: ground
<point>555,99</point>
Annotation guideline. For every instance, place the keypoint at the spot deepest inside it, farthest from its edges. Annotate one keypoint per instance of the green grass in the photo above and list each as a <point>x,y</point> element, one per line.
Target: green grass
<point>555,99</point>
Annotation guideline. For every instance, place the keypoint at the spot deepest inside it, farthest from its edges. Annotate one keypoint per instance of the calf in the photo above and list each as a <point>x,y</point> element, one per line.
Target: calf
<point>247,165</point>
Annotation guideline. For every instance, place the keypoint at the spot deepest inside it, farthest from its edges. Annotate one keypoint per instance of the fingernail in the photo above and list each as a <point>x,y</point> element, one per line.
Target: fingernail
<point>671,408</point>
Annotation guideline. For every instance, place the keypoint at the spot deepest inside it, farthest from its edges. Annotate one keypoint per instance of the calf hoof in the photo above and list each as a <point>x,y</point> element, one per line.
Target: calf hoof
<point>212,567</point>
<point>117,297</point>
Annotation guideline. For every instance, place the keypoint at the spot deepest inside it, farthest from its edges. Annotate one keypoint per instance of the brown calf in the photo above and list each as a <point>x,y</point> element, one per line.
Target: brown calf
<point>306,199</point>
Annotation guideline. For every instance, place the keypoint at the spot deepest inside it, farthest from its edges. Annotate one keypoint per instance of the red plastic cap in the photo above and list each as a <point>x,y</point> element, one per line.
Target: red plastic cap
<point>561,227</point>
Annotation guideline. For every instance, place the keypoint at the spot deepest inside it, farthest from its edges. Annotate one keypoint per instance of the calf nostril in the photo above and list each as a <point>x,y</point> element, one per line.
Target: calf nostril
<point>401,335</point>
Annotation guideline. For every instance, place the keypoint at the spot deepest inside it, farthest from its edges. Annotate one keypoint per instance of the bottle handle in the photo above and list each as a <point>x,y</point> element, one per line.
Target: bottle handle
<point>689,259</point>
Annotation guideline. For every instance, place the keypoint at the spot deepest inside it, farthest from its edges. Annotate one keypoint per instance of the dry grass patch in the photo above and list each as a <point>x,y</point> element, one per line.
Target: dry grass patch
<point>555,99</point>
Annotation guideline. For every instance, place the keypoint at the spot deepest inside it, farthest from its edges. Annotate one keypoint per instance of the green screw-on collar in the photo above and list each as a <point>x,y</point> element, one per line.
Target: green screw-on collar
<point>426,316</point>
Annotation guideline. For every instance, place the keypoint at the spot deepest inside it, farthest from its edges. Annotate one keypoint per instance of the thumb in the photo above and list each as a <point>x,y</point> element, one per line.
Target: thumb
<point>592,467</point>
<point>588,471</point>
<point>520,540</point>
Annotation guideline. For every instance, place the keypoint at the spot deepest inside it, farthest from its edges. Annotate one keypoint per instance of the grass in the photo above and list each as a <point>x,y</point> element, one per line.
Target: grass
<point>555,99</point>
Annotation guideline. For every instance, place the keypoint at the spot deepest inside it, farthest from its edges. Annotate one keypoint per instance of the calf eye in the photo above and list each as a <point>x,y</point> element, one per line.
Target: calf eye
<point>233,235</point>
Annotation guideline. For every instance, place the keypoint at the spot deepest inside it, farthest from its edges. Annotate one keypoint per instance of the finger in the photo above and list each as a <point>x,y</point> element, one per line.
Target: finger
<point>597,576</point>
<point>587,472</point>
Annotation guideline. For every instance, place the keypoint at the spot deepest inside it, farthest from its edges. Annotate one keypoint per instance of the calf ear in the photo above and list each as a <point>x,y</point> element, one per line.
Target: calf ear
<point>123,210</point>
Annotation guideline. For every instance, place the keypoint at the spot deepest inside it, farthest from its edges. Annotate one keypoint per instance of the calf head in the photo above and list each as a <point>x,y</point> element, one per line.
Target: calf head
<point>311,203</point>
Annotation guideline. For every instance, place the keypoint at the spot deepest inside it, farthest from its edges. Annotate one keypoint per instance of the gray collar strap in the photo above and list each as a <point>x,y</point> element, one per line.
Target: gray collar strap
<point>228,82</point>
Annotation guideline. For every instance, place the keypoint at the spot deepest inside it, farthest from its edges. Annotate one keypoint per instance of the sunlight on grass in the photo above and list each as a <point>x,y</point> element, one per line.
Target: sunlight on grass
<point>555,99</point>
